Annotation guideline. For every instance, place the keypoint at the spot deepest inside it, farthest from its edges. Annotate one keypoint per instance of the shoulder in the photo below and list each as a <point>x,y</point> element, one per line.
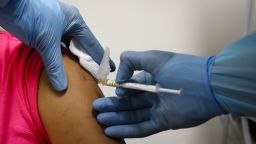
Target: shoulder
<point>68,117</point>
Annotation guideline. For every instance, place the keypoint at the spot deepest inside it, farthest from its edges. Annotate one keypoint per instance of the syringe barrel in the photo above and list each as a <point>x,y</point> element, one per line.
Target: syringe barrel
<point>148,88</point>
<point>151,88</point>
<point>142,87</point>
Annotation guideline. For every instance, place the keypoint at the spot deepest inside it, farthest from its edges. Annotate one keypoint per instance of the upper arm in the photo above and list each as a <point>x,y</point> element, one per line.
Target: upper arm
<point>68,117</point>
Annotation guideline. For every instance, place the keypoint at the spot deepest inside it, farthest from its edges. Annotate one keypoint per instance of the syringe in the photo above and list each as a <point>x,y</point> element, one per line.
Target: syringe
<point>142,87</point>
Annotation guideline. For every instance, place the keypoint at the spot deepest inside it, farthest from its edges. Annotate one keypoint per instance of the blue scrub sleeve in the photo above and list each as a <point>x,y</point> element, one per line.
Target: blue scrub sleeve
<point>233,77</point>
<point>3,3</point>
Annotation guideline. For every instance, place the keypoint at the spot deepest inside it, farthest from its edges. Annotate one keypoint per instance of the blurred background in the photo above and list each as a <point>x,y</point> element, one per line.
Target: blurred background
<point>199,27</point>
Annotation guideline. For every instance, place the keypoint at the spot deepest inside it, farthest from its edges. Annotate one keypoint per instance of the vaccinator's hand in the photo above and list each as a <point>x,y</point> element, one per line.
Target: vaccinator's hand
<point>43,24</point>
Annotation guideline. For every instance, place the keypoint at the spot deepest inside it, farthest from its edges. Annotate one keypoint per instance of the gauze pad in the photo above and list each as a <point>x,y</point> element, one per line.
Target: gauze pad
<point>100,72</point>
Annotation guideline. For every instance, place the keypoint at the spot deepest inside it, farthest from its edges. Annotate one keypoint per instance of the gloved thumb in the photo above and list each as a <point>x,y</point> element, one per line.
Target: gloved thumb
<point>53,63</point>
<point>149,61</point>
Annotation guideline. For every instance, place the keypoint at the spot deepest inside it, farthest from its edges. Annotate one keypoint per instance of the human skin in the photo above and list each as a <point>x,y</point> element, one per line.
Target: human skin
<point>1,29</point>
<point>68,117</point>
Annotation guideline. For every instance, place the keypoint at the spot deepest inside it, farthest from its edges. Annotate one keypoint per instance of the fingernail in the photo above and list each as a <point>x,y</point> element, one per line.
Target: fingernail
<point>99,118</point>
<point>120,92</point>
<point>108,132</point>
<point>96,104</point>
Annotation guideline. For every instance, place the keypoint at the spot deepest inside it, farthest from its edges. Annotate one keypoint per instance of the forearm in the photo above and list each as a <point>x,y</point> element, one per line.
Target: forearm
<point>233,77</point>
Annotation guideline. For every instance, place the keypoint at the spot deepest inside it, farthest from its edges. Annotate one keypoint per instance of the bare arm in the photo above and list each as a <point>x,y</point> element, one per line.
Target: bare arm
<point>68,117</point>
<point>1,29</point>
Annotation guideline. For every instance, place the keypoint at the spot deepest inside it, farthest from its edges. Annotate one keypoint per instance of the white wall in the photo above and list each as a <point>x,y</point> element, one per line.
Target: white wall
<point>200,27</point>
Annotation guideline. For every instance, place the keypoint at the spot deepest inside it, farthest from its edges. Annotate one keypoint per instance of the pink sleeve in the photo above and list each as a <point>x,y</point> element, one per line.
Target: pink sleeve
<point>20,70</point>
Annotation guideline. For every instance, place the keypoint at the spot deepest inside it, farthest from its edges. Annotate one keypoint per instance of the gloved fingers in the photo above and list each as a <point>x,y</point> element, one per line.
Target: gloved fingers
<point>124,117</point>
<point>77,30</point>
<point>127,92</point>
<point>53,63</point>
<point>138,130</point>
<point>126,103</point>
<point>149,61</point>
<point>142,77</point>
<point>93,47</point>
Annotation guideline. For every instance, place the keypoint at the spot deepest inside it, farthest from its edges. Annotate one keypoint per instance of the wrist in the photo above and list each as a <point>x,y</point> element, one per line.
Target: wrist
<point>10,12</point>
<point>191,74</point>
<point>8,3</point>
<point>210,62</point>
<point>201,83</point>
<point>3,3</point>
<point>9,6</point>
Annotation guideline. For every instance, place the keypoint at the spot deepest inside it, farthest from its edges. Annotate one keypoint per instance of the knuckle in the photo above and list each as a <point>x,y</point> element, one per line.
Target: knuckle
<point>44,40</point>
<point>53,68</point>
<point>52,63</point>
<point>125,55</point>
<point>69,9</point>
<point>74,9</point>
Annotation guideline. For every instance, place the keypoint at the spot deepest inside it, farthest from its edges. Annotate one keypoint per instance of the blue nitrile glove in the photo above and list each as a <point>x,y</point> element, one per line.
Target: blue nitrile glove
<point>139,114</point>
<point>43,24</point>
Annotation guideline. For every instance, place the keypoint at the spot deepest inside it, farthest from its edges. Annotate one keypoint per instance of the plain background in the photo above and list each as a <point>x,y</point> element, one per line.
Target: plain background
<point>199,27</point>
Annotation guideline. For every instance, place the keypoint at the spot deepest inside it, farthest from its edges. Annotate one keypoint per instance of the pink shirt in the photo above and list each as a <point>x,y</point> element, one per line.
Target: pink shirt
<point>20,69</point>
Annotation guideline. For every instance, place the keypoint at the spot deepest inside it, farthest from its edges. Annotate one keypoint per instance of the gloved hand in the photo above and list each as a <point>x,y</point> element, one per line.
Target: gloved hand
<point>43,24</point>
<point>138,114</point>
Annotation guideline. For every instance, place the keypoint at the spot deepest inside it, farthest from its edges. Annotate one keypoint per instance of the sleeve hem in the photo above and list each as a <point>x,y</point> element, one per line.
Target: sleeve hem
<point>210,62</point>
